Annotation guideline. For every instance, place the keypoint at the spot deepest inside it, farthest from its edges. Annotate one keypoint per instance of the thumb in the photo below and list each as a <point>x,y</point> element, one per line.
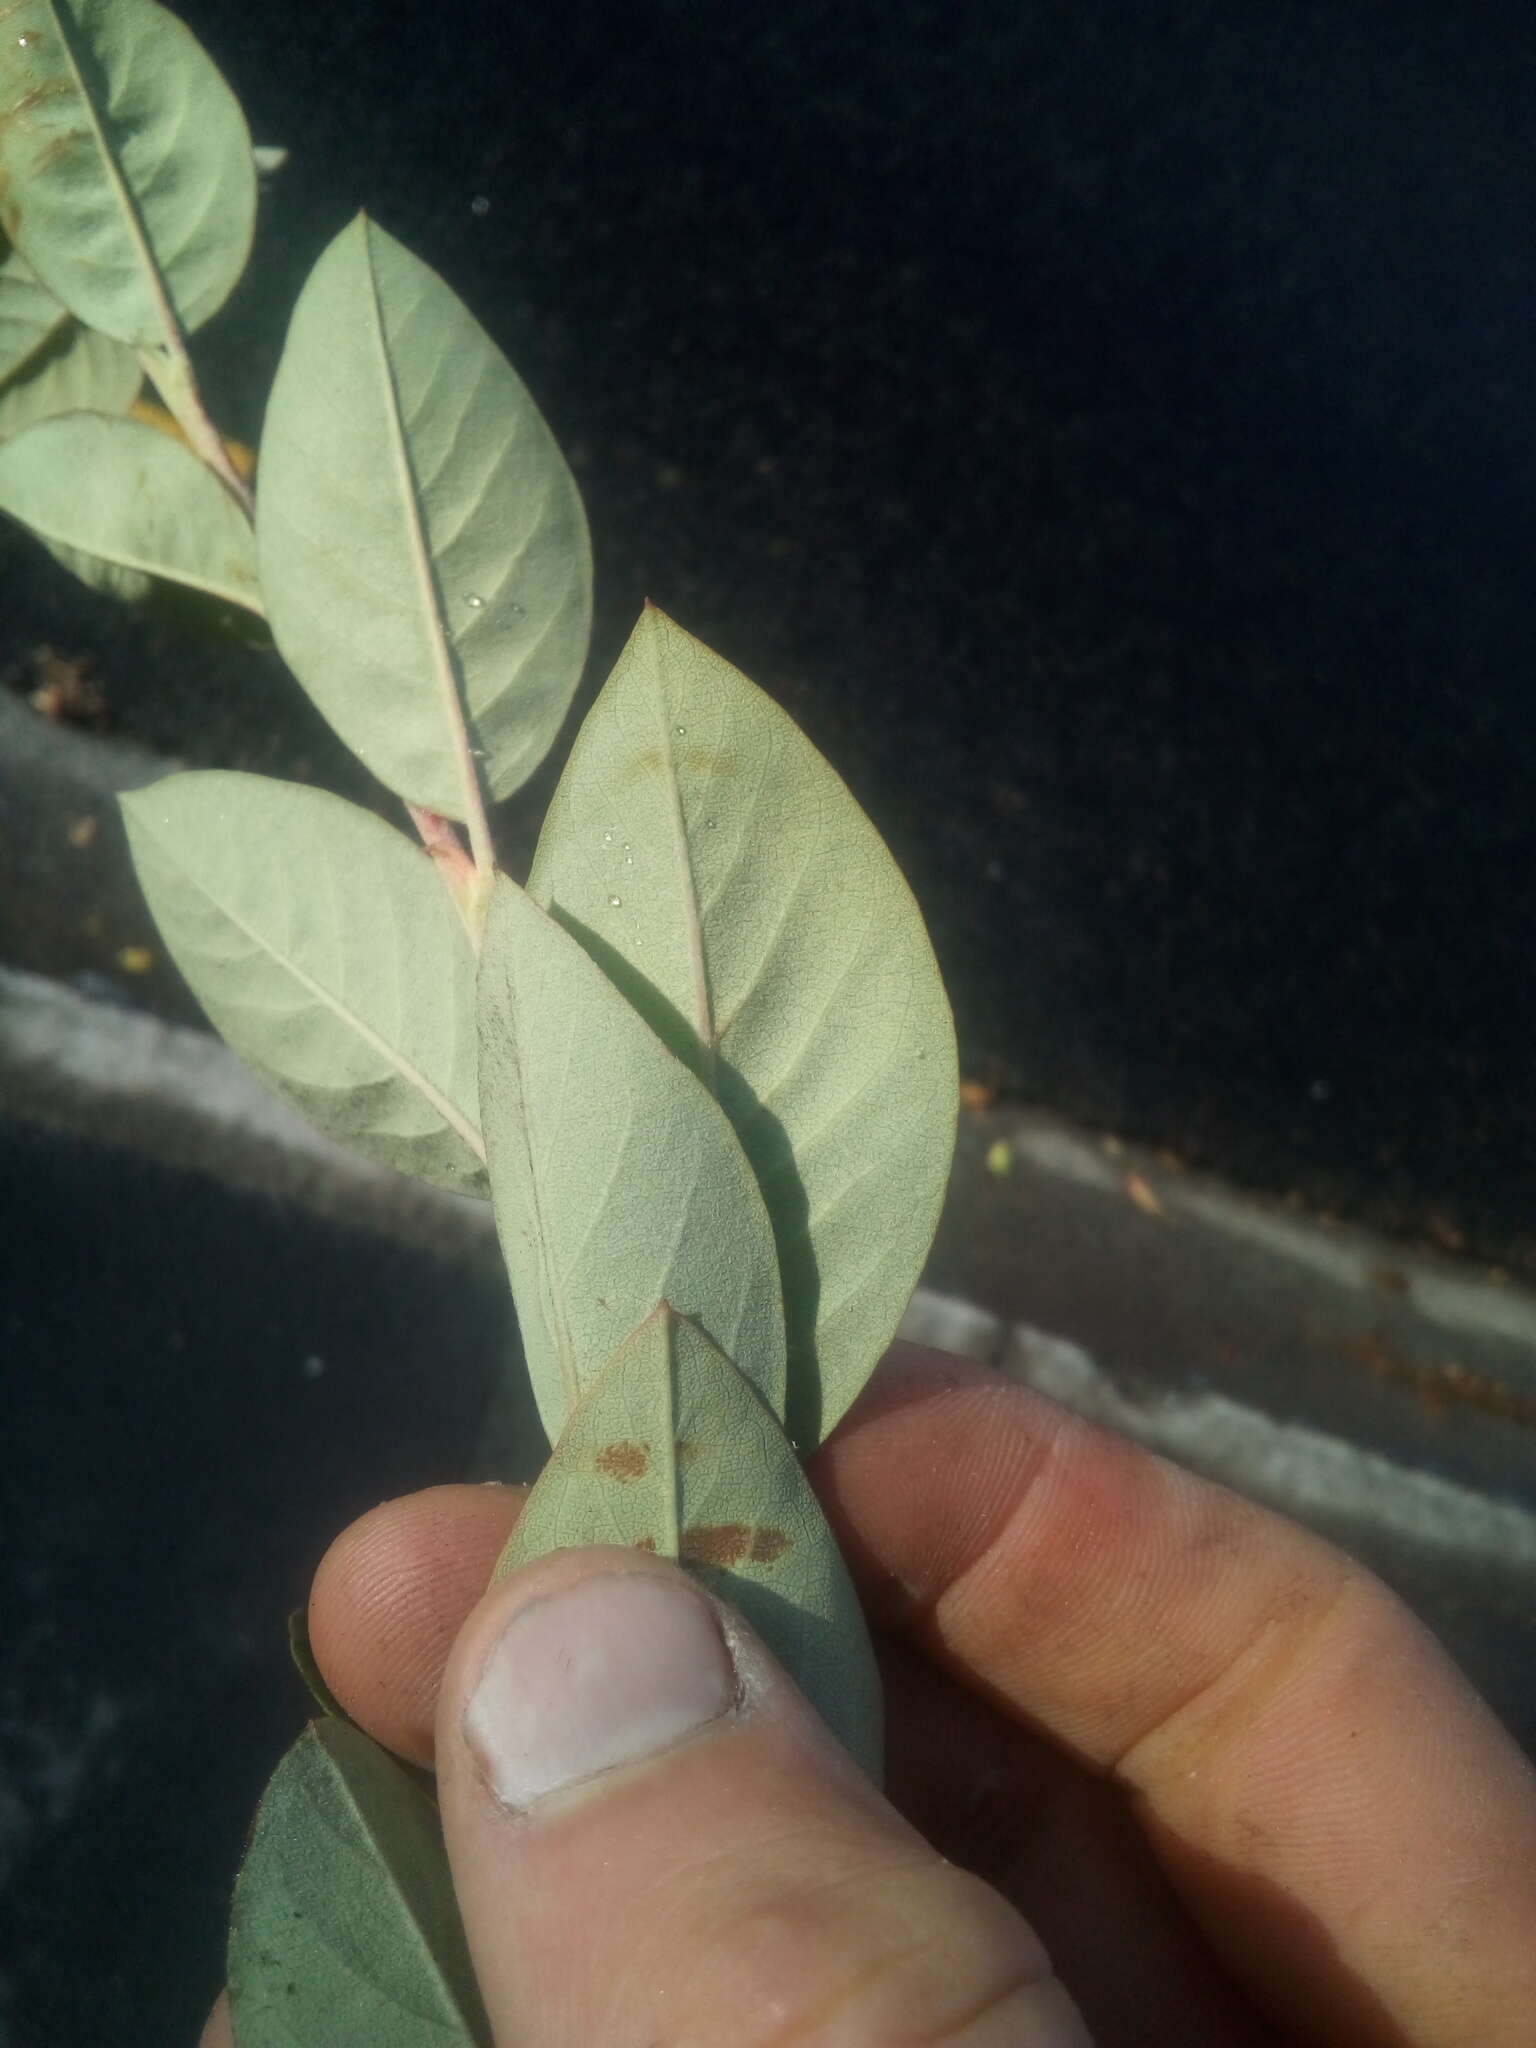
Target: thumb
<point>656,1841</point>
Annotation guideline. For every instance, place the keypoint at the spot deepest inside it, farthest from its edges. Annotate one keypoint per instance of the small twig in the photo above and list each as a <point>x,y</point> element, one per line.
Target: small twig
<point>170,371</point>
<point>468,890</point>
<point>476,821</point>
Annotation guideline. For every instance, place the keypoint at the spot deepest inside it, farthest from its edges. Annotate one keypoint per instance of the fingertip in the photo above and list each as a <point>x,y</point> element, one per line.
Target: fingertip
<point>619,1756</point>
<point>391,1595</point>
<point>910,1374</point>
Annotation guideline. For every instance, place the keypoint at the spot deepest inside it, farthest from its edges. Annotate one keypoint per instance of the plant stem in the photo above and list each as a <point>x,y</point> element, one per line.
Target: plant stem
<point>474,805</point>
<point>170,371</point>
<point>478,901</point>
<point>467,889</point>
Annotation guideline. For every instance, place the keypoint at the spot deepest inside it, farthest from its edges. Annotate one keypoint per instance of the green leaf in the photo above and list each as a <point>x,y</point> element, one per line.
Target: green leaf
<point>303,1658</point>
<point>77,370</point>
<point>324,948</point>
<point>121,493</point>
<point>709,858</point>
<point>130,586</point>
<point>30,315</point>
<point>616,1180</point>
<point>345,1929</point>
<point>125,164</point>
<point>49,363</point>
<point>671,1450</point>
<point>424,554</point>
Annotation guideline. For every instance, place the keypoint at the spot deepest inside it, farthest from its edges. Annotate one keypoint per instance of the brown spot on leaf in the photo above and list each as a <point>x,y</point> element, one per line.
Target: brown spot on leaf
<point>73,142</point>
<point>645,1543</point>
<point>624,1461</point>
<point>733,1543</point>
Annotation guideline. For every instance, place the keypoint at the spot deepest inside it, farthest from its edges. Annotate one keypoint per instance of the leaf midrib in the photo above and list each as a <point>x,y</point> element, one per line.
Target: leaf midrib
<point>406,1896</point>
<point>455,708</point>
<point>121,191</point>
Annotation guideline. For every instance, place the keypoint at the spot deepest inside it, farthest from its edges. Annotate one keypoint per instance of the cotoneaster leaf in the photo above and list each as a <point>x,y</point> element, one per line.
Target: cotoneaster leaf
<point>616,1178</point>
<point>709,858</point>
<point>130,502</point>
<point>424,554</point>
<point>125,163</point>
<point>345,1929</point>
<point>324,948</point>
<point>30,315</point>
<point>671,1450</point>
<point>76,370</point>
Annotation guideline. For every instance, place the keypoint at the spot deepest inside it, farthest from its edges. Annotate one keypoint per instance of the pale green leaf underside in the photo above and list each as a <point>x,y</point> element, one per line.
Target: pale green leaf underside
<point>617,1181</point>
<point>130,586</point>
<point>123,155</point>
<point>325,950</point>
<point>49,363</point>
<point>345,1929</point>
<point>76,370</point>
<point>29,313</point>
<point>133,498</point>
<point>423,547</point>
<point>671,1450</point>
<point>722,874</point>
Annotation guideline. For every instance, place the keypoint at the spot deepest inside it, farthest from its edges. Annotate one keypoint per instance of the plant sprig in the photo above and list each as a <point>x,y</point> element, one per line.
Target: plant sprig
<point>702,1064</point>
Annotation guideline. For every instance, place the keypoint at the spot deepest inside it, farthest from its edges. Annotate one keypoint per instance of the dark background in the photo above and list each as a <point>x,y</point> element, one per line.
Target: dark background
<point>1109,430</point>
<point>201,1390</point>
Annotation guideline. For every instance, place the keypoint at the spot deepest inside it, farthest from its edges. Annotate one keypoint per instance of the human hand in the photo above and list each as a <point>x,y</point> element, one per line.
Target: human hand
<point>1205,1762</point>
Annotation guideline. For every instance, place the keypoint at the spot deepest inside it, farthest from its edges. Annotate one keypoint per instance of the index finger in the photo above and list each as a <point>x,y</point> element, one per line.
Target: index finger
<point>1343,1814</point>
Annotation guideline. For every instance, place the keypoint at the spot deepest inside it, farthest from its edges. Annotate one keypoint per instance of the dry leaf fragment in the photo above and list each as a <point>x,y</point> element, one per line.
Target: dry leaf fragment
<point>64,691</point>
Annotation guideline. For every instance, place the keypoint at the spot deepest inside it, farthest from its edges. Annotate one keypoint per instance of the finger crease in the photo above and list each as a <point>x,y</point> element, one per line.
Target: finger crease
<point>1236,1695</point>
